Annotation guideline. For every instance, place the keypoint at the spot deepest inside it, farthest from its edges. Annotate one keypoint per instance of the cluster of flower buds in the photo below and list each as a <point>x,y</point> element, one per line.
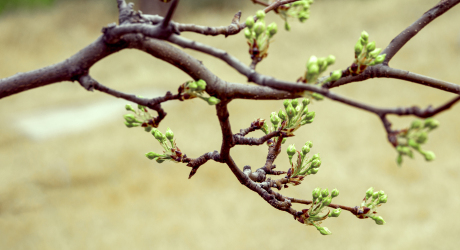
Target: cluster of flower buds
<point>366,54</point>
<point>303,166</point>
<point>318,210</point>
<point>413,137</point>
<point>141,117</point>
<point>192,89</point>
<point>171,151</point>
<point>371,202</point>
<point>299,10</point>
<point>259,35</point>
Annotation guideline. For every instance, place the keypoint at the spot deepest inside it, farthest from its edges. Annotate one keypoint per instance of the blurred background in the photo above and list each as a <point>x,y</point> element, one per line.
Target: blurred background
<point>72,176</point>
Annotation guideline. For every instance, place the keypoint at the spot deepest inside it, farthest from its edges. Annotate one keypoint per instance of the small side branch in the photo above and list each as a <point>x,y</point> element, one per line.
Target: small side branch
<point>196,163</point>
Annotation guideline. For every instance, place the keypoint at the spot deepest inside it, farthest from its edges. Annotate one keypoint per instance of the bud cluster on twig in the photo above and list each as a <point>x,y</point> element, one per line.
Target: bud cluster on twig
<point>193,89</point>
<point>141,117</point>
<point>366,54</point>
<point>258,35</point>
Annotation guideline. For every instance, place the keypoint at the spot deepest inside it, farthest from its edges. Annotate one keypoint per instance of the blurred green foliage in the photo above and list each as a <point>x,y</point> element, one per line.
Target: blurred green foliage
<point>6,5</point>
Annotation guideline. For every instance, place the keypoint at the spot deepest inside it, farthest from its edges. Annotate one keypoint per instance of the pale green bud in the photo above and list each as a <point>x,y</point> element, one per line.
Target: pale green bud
<point>369,192</point>
<point>129,108</point>
<point>282,115</point>
<point>335,212</point>
<point>130,118</point>
<point>303,16</point>
<point>316,163</point>
<point>429,155</point>
<point>152,155</point>
<point>260,14</point>
<point>316,193</point>
<point>313,69</point>
<point>330,60</point>
<point>309,144</point>
<point>327,201</point>
<point>192,85</point>
<point>364,36</point>
<point>213,100</point>
<point>250,22</point>
<point>291,150</point>
<point>248,34</point>
<point>336,75</point>
<point>335,193</point>
<point>305,101</point>
<point>399,159</point>
<point>381,192</point>
<point>201,85</point>
<point>422,137</point>
<point>312,60</point>
<point>295,102</point>
<point>370,46</point>
<point>272,29</point>
<point>259,28</point>
<point>375,195</point>
<point>158,135</point>
<point>403,150</point>
<point>324,192</point>
<point>378,220</point>
<point>314,170</point>
<point>286,103</point>
<point>305,150</point>
<point>375,53</point>
<point>169,134</point>
<point>383,199</point>
<point>305,110</point>
<point>431,123</point>
<point>413,144</point>
<point>147,129</point>
<point>379,59</point>
<point>310,115</point>
<point>130,125</point>
<point>287,26</point>
<point>159,160</point>
<point>291,112</point>
<point>315,156</point>
<point>324,230</point>
<point>416,124</point>
<point>283,141</point>
<point>322,63</point>
<point>358,48</point>
<point>274,119</point>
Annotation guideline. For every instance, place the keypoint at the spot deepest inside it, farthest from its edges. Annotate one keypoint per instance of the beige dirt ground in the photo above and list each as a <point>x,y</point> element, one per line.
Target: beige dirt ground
<point>96,190</point>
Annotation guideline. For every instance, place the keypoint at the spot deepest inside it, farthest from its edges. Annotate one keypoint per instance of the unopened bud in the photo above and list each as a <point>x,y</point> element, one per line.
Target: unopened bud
<point>379,59</point>
<point>260,14</point>
<point>316,163</point>
<point>422,137</point>
<point>324,192</point>
<point>336,75</point>
<point>336,212</point>
<point>324,230</point>
<point>370,46</point>
<point>129,108</point>
<point>330,60</point>
<point>416,124</point>
<point>429,155</point>
<point>364,36</point>
<point>130,118</point>
<point>169,134</point>
<point>327,201</point>
<point>305,101</point>
<point>316,193</point>
<point>310,115</point>
<point>335,193</point>
<point>369,192</point>
<point>290,111</point>
<point>305,150</point>
<point>295,102</point>
<point>291,151</point>
<point>272,29</point>
<point>201,85</point>
<point>383,199</point>
<point>259,28</point>
<point>152,155</point>
<point>378,220</point>
<point>358,48</point>
<point>250,22</point>
<point>375,53</point>
<point>274,119</point>
<point>314,170</point>
<point>248,34</point>
<point>282,115</point>
<point>431,123</point>
<point>192,85</point>
<point>213,100</point>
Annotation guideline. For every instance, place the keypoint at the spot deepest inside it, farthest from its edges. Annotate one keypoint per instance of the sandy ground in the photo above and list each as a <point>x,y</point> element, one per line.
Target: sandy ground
<point>90,187</point>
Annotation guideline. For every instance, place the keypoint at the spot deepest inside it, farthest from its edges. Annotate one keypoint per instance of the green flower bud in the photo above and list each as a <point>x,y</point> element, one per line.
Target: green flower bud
<point>381,193</point>
<point>130,118</point>
<point>282,115</point>
<point>313,69</point>
<point>378,220</point>
<point>370,46</point>
<point>130,125</point>
<point>312,60</point>
<point>404,150</point>
<point>416,124</point>
<point>383,199</point>
<point>305,150</point>
<point>413,144</point>
<point>291,151</point>
<point>283,141</point>
<point>379,59</point>
<point>250,22</point>
<point>272,29</point>
<point>152,155</point>
<point>324,192</point>
<point>327,201</point>
<point>147,129</point>
<point>201,85</point>
<point>322,62</point>
<point>375,195</point>
<point>260,14</point>
<point>159,160</point>
<point>429,155</point>
<point>286,103</point>
<point>399,159</point>
<point>305,110</point>
<point>358,48</point>
<point>422,137</point>
<point>274,119</point>
<point>129,108</point>
<point>363,42</point>
<point>295,102</point>
<point>335,212</point>
<point>330,60</point>
<point>248,34</point>
<point>158,135</point>
<point>310,115</point>
<point>336,75</point>
<point>375,53</point>
<point>315,156</point>
<point>316,193</point>
<point>305,101</point>
<point>287,26</point>
<point>291,112</point>
<point>169,134</point>
<point>309,144</point>
<point>303,16</point>
<point>192,85</point>
<point>324,230</point>
<point>259,28</point>
<point>335,193</point>
<point>213,100</point>
<point>314,170</point>
<point>317,96</point>
<point>369,192</point>
<point>364,36</point>
<point>316,163</point>
<point>431,123</point>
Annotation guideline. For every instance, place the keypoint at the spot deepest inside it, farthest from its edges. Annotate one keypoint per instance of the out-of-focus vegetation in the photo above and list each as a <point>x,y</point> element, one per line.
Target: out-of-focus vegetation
<point>6,5</point>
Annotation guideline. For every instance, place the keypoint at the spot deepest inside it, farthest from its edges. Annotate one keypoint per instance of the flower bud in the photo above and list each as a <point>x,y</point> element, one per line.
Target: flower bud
<point>248,34</point>
<point>330,60</point>
<point>272,29</point>
<point>192,85</point>
<point>290,111</point>
<point>324,230</point>
<point>129,108</point>
<point>399,159</point>
<point>375,53</point>
<point>130,125</point>
<point>335,212</point>
<point>315,156</point>
<point>383,199</point>
<point>213,100</point>
<point>422,137</point>
<point>327,201</point>
<point>287,26</point>
<point>413,144</point>
<point>358,48</point>
<point>370,46</point>
<point>379,59</point>
<point>169,134</point>
<point>431,123</point>
<point>250,22</point>
<point>313,69</point>
<point>286,103</point>
<point>260,14</point>
<point>314,170</point>
<point>416,124</point>
<point>158,135</point>
<point>147,129</point>
<point>312,60</point>
<point>378,220</point>
<point>369,192</point>
<point>317,96</point>
<point>282,115</point>
<point>316,163</point>
<point>283,141</point>
<point>336,75</point>
<point>324,192</point>
<point>335,193</point>
<point>316,193</point>
<point>295,102</point>
<point>375,195</point>
<point>305,101</point>
<point>152,155</point>
<point>364,36</point>
<point>305,110</point>
<point>305,150</point>
<point>274,119</point>
<point>259,28</point>
<point>130,118</point>
<point>429,155</point>
<point>291,151</point>
<point>201,85</point>
<point>310,115</point>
